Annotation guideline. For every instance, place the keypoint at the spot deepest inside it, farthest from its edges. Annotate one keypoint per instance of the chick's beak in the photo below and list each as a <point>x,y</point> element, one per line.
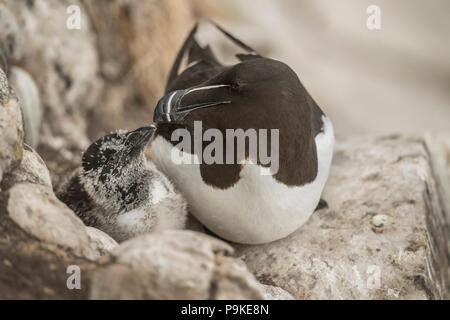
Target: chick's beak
<point>142,135</point>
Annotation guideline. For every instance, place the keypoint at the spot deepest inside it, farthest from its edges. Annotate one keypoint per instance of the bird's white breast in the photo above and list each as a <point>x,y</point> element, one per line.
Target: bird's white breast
<point>258,208</point>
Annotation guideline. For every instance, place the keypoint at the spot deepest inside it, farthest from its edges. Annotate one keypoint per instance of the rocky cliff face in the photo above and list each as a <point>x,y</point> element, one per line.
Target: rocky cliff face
<point>90,80</point>
<point>384,235</point>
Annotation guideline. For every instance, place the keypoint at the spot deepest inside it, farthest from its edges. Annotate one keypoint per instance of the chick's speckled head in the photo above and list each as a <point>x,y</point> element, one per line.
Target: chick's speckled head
<point>113,153</point>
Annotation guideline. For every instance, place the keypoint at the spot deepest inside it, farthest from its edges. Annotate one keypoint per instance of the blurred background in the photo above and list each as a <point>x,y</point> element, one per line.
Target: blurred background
<point>396,79</point>
<point>110,73</point>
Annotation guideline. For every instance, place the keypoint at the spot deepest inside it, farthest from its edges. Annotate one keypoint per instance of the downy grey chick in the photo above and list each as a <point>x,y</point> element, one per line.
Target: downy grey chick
<point>119,192</point>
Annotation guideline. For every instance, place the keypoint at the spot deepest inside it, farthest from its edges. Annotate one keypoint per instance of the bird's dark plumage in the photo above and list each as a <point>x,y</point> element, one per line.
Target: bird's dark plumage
<point>255,82</point>
<point>243,200</point>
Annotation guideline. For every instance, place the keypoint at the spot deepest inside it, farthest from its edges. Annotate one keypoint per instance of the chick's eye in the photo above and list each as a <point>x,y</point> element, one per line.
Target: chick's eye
<point>113,157</point>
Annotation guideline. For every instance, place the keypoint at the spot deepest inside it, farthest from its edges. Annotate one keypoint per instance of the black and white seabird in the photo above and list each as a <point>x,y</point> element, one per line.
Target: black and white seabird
<point>236,201</point>
<point>119,192</point>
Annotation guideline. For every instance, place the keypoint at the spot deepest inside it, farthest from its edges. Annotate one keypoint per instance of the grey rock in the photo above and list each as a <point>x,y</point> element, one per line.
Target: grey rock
<point>3,63</point>
<point>276,293</point>
<point>33,269</point>
<point>117,282</point>
<point>232,280</point>
<point>32,169</point>
<point>4,87</point>
<point>339,253</point>
<point>10,37</point>
<point>11,129</point>
<point>102,242</point>
<point>175,264</point>
<point>38,212</point>
<point>437,200</point>
<point>64,65</point>
<point>28,94</point>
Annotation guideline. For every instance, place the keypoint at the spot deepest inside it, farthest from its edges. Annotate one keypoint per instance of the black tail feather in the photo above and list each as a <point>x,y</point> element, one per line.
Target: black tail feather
<point>186,46</point>
<point>197,53</point>
<point>234,39</point>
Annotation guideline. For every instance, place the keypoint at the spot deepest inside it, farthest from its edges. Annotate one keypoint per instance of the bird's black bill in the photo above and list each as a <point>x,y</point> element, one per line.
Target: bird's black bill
<point>176,105</point>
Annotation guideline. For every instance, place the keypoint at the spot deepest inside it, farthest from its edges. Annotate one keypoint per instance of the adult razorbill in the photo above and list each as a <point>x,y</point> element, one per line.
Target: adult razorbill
<point>245,201</point>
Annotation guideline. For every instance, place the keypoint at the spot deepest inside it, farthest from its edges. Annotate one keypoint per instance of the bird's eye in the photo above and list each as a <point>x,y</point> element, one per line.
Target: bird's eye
<point>234,86</point>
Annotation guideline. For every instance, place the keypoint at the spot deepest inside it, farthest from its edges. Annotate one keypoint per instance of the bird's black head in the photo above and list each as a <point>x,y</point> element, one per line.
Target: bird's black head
<point>111,154</point>
<point>250,92</point>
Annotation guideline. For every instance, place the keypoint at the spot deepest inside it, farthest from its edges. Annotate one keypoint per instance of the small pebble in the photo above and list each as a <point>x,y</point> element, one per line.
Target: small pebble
<point>7,263</point>
<point>379,220</point>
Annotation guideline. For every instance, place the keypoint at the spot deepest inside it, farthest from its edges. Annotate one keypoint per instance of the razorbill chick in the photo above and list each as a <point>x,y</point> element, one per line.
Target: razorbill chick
<point>119,192</point>
<point>243,201</point>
